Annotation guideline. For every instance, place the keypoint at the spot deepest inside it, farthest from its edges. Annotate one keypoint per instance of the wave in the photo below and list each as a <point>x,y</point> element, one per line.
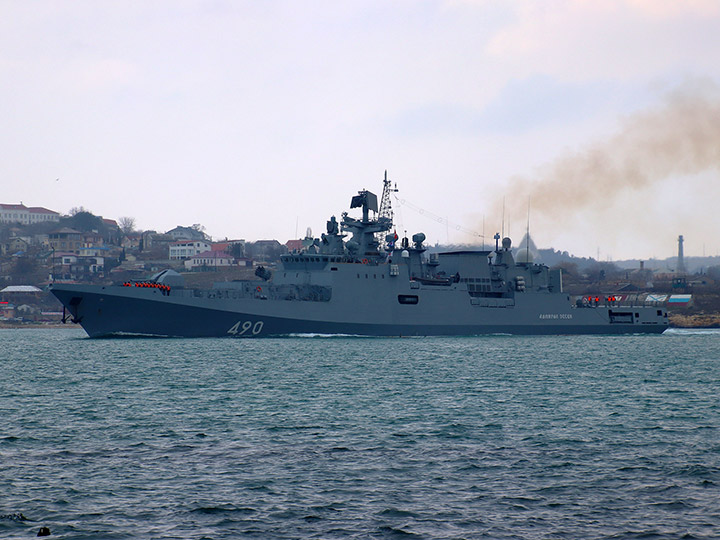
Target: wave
<point>692,332</point>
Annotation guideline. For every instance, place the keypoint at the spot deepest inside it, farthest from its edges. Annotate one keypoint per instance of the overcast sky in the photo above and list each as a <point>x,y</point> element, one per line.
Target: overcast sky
<point>258,119</point>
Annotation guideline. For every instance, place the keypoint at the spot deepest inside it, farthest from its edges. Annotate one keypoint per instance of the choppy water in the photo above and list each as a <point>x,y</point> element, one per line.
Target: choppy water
<point>490,437</point>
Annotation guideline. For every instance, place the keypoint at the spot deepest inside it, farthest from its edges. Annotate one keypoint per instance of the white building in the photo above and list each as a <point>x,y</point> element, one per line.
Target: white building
<point>209,259</point>
<point>19,213</point>
<point>187,248</point>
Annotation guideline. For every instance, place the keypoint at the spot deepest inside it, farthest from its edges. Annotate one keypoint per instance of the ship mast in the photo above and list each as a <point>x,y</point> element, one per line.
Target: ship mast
<point>386,210</point>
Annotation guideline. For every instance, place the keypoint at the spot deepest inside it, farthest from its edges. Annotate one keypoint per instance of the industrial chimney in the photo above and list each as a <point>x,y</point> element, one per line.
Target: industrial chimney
<point>681,258</point>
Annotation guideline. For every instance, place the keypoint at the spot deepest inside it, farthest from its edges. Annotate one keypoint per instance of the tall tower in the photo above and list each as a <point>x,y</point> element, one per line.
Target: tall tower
<point>681,258</point>
<point>385,203</point>
<point>386,211</point>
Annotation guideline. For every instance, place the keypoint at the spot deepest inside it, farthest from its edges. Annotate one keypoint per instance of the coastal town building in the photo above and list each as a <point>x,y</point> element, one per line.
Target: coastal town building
<point>294,246</point>
<point>17,244</point>
<point>66,239</point>
<point>209,260</point>
<point>185,249</point>
<point>77,242</point>
<point>187,233</point>
<point>73,267</point>
<point>19,213</point>
<point>229,246</point>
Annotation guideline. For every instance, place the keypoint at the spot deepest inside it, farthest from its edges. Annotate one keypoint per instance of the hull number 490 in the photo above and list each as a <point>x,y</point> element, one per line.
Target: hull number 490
<point>241,328</point>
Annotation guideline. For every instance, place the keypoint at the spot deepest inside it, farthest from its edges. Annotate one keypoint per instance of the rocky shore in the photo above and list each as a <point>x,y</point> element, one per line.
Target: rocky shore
<point>696,320</point>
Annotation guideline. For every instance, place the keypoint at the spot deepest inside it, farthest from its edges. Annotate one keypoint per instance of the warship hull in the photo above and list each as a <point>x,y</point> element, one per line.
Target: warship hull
<point>364,285</point>
<point>117,311</point>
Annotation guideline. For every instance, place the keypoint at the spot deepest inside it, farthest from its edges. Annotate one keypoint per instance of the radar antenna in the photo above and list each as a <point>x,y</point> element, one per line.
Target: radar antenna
<point>385,204</point>
<point>386,210</point>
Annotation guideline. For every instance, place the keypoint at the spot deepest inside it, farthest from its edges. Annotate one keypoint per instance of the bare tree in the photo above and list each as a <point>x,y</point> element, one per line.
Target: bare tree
<point>126,224</point>
<point>201,229</point>
<point>78,210</point>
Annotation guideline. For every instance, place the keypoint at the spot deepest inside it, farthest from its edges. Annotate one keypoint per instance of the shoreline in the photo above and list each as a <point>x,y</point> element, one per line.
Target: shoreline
<point>20,326</point>
<point>701,320</point>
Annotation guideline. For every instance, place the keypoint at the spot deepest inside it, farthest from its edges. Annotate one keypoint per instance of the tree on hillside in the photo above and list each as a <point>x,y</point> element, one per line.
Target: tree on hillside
<point>126,224</point>
<point>22,270</point>
<point>713,272</point>
<point>78,209</point>
<point>265,250</point>
<point>569,269</point>
<point>85,221</point>
<point>237,251</point>
<point>201,229</point>
<point>42,227</point>
<point>603,271</point>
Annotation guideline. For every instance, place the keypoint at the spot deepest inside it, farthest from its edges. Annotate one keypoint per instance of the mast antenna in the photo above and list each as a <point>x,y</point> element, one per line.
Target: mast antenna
<point>502,227</point>
<point>527,236</point>
<point>483,233</point>
<point>386,210</point>
<point>385,203</point>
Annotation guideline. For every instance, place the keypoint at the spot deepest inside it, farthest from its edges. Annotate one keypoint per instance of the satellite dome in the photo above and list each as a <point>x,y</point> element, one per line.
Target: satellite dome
<point>506,243</point>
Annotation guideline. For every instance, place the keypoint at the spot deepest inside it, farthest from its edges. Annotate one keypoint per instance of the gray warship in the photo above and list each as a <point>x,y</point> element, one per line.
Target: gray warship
<point>359,279</point>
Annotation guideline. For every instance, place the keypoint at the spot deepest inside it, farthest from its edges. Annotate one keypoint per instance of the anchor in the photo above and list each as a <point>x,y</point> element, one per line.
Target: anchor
<point>73,317</point>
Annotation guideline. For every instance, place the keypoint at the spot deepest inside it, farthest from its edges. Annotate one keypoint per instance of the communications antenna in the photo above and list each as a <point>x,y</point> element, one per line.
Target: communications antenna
<point>527,236</point>
<point>386,210</point>
<point>502,227</point>
<point>385,204</point>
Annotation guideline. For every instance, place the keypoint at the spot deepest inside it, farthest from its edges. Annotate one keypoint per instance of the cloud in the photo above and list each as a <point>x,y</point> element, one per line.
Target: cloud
<point>672,8</point>
<point>103,74</point>
<point>540,100</point>
<point>522,105</point>
<point>582,40</point>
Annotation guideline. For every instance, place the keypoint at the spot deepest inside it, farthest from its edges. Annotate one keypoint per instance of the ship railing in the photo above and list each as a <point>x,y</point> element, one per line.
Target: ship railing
<point>613,300</point>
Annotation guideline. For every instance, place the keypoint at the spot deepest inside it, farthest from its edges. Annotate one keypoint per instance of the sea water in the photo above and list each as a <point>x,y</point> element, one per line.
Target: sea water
<point>341,437</point>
